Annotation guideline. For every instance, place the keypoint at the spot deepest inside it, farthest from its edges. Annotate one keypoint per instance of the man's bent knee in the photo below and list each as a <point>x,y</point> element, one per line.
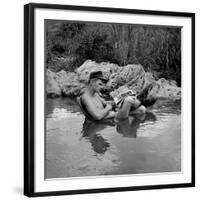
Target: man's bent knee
<point>141,110</point>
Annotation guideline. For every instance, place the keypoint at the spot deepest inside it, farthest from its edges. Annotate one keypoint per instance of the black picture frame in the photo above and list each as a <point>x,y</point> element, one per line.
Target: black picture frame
<point>29,95</point>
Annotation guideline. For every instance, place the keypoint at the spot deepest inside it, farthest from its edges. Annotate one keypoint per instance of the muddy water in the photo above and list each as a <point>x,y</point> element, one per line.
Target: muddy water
<point>140,144</point>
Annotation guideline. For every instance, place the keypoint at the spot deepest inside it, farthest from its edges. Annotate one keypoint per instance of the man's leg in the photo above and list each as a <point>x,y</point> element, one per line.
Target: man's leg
<point>140,110</point>
<point>130,106</point>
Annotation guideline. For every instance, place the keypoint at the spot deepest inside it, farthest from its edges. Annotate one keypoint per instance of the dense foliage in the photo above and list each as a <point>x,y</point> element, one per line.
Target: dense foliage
<point>157,48</point>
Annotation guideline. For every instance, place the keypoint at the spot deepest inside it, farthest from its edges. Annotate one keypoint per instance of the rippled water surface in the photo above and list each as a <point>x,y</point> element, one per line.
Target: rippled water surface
<point>140,144</point>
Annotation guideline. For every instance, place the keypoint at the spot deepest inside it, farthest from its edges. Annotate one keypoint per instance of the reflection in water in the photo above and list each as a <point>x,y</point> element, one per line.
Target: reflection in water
<point>61,103</point>
<point>90,131</point>
<point>75,147</point>
<point>128,127</point>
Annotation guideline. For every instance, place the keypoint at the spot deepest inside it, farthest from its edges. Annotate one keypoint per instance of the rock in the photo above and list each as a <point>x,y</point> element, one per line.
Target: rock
<point>90,66</point>
<point>165,89</point>
<point>131,75</point>
<point>153,89</point>
<point>118,91</point>
<point>69,83</point>
<point>134,77</point>
<point>148,79</point>
<point>52,86</point>
<point>63,84</point>
<point>138,78</point>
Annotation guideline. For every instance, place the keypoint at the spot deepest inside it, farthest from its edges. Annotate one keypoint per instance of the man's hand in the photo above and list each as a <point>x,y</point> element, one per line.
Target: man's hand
<point>109,107</point>
<point>111,115</point>
<point>111,102</point>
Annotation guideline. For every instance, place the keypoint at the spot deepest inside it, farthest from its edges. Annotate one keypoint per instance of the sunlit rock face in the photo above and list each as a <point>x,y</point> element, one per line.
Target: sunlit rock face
<point>69,83</point>
<point>52,87</point>
<point>89,66</point>
<point>165,89</point>
<point>133,76</point>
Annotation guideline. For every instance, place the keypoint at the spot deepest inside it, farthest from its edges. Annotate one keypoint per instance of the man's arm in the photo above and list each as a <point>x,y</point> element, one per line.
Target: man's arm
<point>111,115</point>
<point>94,112</point>
<point>106,102</point>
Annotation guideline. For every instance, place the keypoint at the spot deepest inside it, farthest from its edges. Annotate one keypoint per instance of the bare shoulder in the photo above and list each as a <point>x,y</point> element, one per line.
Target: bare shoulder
<point>85,97</point>
<point>101,99</point>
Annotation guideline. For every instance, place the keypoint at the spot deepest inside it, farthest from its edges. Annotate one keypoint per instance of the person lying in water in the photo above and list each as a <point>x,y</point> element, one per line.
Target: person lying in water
<point>99,109</point>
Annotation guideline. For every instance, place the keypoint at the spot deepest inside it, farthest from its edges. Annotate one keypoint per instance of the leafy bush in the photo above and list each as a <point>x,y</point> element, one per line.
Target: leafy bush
<point>69,44</point>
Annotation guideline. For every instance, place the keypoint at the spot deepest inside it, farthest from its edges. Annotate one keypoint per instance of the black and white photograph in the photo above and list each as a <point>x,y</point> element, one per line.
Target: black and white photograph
<point>109,100</point>
<point>113,99</point>
<point>99,99</point>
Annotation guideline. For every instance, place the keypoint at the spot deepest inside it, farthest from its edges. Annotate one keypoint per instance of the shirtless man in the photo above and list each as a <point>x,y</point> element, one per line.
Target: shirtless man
<point>100,109</point>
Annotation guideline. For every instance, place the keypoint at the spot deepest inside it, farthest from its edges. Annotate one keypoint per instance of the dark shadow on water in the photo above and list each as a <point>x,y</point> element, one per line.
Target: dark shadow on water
<point>90,132</point>
<point>127,127</point>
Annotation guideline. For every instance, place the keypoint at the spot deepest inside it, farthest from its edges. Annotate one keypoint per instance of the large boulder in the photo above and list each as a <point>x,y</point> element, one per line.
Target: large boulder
<point>165,89</point>
<point>69,83</point>
<point>63,84</point>
<point>89,66</point>
<point>52,87</point>
<point>148,88</point>
<point>134,77</point>
<point>148,79</point>
<point>131,75</point>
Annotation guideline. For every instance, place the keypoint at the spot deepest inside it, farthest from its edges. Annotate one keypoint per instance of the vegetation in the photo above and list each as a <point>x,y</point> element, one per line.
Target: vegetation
<point>157,48</point>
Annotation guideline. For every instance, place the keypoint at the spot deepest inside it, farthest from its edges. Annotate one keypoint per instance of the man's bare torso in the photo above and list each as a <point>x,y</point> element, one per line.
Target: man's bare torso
<point>96,100</point>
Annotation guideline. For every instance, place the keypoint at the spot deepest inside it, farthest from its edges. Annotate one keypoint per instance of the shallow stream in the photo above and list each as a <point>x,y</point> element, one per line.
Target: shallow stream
<point>147,144</point>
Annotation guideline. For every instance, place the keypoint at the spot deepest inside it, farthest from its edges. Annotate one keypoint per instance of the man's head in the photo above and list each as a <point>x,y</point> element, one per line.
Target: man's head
<point>97,81</point>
